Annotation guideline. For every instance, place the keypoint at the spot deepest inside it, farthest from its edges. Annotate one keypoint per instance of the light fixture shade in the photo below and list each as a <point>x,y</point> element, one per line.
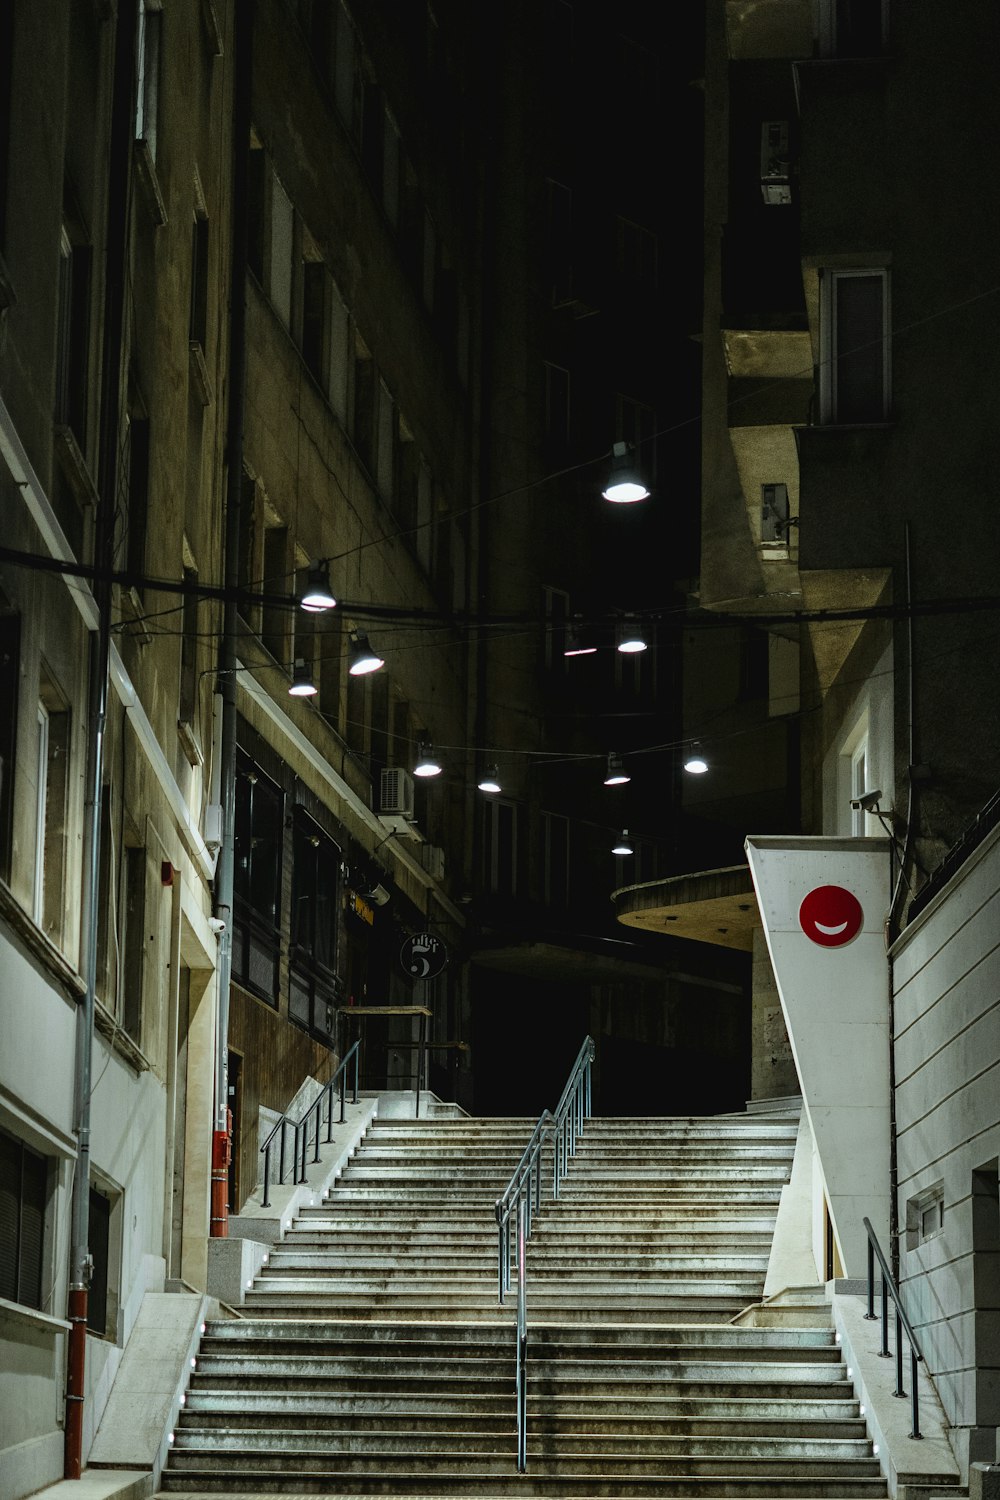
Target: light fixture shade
<point>625,483</point>
<point>630,639</point>
<point>317,595</point>
<point>361,658</point>
<point>302,680</point>
<point>694,761</point>
<point>578,644</point>
<point>616,774</point>
<point>623,845</point>
<point>427,762</point>
<point>490,781</point>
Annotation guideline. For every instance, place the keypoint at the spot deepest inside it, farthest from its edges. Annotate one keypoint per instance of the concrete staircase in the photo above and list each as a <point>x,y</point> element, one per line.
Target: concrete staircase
<point>374,1358</point>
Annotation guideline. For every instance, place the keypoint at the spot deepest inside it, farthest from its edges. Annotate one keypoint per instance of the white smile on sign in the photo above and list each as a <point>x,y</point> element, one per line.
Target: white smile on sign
<point>831,931</point>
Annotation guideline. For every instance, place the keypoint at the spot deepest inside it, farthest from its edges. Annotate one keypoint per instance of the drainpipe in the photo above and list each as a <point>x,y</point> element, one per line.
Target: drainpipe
<point>81,1264</point>
<point>223,900</point>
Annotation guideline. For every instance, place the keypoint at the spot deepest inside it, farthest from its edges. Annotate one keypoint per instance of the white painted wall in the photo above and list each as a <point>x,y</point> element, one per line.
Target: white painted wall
<point>947,1045</point>
<point>869,717</point>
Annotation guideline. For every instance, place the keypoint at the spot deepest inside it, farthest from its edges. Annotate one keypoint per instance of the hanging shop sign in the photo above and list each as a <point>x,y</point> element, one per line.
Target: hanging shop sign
<point>423,956</point>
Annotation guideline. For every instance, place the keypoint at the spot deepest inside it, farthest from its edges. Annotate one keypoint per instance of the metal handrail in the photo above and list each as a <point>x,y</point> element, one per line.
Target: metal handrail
<point>301,1128</point>
<point>890,1289</point>
<point>523,1194</point>
<point>565,1125</point>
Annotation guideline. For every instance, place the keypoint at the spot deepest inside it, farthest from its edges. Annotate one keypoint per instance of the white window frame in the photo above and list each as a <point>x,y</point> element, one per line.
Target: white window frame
<point>41,796</point>
<point>148,45</point>
<point>830,353</point>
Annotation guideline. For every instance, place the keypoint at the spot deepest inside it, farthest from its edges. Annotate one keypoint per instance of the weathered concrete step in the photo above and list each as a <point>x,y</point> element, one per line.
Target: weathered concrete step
<point>532,1486</point>
<point>545,1374</point>
<point>555,1259</point>
<point>600,1361</point>
<point>315,1414</point>
<point>317,1377</point>
<point>544,1292</point>
<point>497,1462</point>
<point>837,1404</point>
<point>593,1337</point>
<point>662,1311</point>
<point>554,1443</point>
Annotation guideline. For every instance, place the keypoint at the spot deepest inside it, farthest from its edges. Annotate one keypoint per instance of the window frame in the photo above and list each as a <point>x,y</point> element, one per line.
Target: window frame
<point>831,399</point>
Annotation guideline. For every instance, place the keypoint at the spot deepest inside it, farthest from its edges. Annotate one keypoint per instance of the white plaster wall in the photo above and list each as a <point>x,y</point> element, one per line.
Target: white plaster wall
<point>947,1043</point>
<point>872,707</point>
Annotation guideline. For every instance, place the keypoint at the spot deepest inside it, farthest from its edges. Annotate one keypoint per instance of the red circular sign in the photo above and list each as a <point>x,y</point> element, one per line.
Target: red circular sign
<point>831,916</point>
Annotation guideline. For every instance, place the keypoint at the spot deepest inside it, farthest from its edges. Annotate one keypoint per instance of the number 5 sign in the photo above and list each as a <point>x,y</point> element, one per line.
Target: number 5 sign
<point>423,956</point>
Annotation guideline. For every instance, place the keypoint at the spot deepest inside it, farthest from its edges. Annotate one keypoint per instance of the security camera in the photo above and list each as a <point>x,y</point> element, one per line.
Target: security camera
<point>217,925</point>
<point>868,801</point>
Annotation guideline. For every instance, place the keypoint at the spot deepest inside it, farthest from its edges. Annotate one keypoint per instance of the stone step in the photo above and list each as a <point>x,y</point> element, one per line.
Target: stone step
<point>558,1338</point>
<point>641,1447</point>
<point>837,1404</point>
<point>562,1287</point>
<point>533,1486</point>
<point>555,1258</point>
<point>662,1311</point>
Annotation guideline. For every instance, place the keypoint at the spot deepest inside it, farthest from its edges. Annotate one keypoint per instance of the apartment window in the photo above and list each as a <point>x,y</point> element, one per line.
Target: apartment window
<point>257,880</point>
<point>854,346</point>
<point>373,133</point>
<point>73,331</point>
<point>52,808</point>
<point>429,262</point>
<point>135,461</point>
<point>257,176</point>
<point>315,908</point>
<point>390,170</point>
<point>500,818</point>
<point>851,28</point>
<point>338,354</point>
<point>555,608</point>
<point>556,410</point>
<point>303,622</point>
<point>330,645</point>
<point>248,545</point>
<point>407,475</point>
<point>365,401</point>
<point>99,1243</point>
<point>385,459</point>
<point>23,1192</point>
<point>559,240</point>
<point>555,859</point>
<point>315,278</point>
<point>10,655</point>
<point>198,328</point>
<point>274,626</point>
<point>635,423</point>
<point>281,253</point>
<point>6,110</point>
<point>425,514</point>
<point>148,70</point>
<point>637,253</point>
<point>347,76</point>
<point>133,958</point>
<point>774,514</point>
<point>187,710</point>
<point>459,567</point>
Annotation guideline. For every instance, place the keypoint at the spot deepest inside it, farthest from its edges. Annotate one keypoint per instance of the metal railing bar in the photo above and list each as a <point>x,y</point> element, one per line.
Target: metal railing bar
<point>300,1127</point>
<point>903,1325</point>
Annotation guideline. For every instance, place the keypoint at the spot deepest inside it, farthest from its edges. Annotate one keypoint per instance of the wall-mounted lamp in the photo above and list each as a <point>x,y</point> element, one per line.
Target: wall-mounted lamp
<point>427,762</point>
<point>625,483</point>
<point>361,658</point>
<point>317,595</point>
<point>616,774</point>
<point>490,780</point>
<point>302,680</point>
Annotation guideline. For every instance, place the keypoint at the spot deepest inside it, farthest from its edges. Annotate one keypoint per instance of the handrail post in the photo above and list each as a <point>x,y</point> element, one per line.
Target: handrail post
<point>899,1356</point>
<point>870,1314</point>
<point>281,1153</point>
<point>319,1119</point>
<point>357,1051</point>
<point>914,1403</point>
<point>884,1351</point>
<point>265,1201</point>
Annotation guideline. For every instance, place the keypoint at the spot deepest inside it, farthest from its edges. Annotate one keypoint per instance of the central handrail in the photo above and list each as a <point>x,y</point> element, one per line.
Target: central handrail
<point>890,1289</point>
<point>300,1128</point>
<point>523,1197</point>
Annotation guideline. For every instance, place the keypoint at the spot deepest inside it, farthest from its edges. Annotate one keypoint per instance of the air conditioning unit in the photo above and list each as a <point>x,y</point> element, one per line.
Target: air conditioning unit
<point>432,859</point>
<point>396,799</point>
<point>775,162</point>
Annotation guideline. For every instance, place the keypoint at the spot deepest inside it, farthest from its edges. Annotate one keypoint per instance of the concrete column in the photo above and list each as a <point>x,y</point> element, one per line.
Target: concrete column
<point>772,1066</point>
